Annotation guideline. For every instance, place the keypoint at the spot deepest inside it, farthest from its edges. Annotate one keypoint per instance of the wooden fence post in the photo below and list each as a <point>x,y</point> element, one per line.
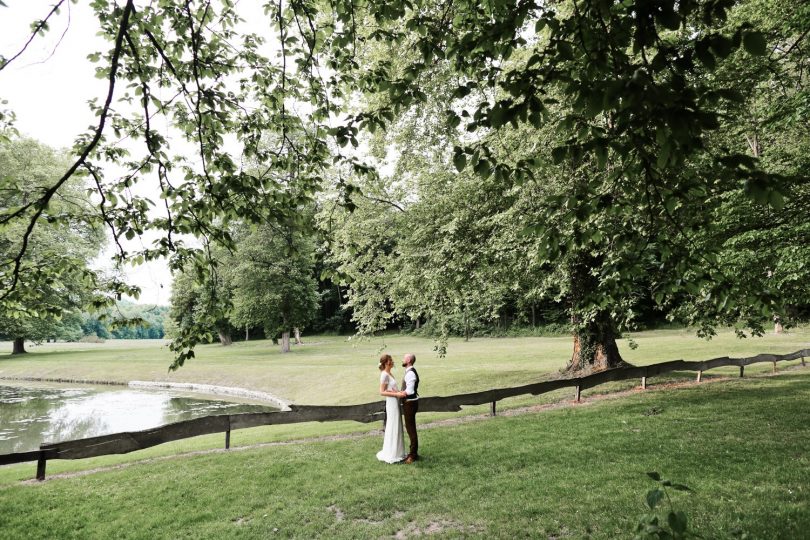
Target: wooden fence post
<point>742,371</point>
<point>228,439</point>
<point>41,466</point>
<point>577,394</point>
<point>803,364</point>
<point>774,366</point>
<point>644,383</point>
<point>492,408</point>
<point>699,375</point>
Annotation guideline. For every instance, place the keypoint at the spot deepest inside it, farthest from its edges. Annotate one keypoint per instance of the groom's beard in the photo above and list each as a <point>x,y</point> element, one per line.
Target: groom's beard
<point>404,364</point>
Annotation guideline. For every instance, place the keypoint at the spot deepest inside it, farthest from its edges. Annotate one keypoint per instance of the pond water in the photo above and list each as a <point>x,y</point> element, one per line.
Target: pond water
<point>33,413</point>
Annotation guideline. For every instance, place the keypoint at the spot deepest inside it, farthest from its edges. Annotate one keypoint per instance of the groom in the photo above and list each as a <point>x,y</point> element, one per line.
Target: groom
<point>410,404</point>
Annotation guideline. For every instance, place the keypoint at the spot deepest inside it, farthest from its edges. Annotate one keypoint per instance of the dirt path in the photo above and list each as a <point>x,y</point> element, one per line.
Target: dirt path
<point>533,409</point>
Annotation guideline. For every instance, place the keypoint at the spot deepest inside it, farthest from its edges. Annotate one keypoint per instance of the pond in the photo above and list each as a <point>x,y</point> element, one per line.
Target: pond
<point>33,413</point>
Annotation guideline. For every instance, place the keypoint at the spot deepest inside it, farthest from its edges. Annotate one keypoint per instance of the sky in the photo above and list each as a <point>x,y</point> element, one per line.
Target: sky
<point>48,88</point>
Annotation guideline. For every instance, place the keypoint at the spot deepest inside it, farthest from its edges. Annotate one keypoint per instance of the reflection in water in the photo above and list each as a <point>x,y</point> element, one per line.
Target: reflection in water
<point>32,415</point>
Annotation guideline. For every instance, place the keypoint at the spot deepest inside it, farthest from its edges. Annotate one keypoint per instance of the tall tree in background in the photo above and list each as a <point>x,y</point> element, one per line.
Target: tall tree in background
<point>275,287</point>
<point>202,293</point>
<point>624,167</point>
<point>768,248</point>
<point>48,304</point>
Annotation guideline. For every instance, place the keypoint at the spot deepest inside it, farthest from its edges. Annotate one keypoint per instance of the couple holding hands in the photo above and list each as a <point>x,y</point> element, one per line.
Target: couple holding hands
<point>393,450</point>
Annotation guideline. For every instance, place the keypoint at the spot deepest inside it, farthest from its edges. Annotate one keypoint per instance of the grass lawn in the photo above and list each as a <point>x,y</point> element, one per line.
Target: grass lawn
<point>576,472</point>
<point>334,370</point>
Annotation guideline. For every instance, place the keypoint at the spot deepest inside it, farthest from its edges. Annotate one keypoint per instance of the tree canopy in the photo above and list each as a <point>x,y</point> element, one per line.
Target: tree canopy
<point>58,282</point>
<point>602,130</point>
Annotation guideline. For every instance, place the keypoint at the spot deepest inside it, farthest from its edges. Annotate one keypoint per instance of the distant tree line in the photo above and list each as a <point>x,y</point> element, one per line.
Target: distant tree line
<point>126,320</point>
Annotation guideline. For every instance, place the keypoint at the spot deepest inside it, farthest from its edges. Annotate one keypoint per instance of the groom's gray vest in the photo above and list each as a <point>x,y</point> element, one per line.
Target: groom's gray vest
<point>415,395</point>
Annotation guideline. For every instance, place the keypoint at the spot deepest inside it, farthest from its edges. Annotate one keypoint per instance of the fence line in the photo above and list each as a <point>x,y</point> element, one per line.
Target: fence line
<point>125,442</point>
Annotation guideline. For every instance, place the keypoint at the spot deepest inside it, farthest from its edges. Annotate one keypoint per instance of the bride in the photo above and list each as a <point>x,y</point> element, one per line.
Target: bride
<point>393,449</point>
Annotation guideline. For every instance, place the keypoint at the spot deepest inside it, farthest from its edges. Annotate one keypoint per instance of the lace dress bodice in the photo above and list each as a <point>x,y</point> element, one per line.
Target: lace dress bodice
<point>389,381</point>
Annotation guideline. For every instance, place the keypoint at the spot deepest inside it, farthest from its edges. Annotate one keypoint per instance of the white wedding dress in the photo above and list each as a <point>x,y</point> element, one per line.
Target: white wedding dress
<point>393,449</point>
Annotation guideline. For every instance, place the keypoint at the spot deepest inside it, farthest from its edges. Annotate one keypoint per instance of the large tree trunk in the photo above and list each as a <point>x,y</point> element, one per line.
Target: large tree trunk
<point>595,347</point>
<point>19,346</point>
<point>285,341</point>
<point>224,337</point>
<point>297,333</point>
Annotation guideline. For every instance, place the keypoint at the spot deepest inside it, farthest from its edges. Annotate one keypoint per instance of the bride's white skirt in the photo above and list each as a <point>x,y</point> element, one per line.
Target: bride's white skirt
<point>393,449</point>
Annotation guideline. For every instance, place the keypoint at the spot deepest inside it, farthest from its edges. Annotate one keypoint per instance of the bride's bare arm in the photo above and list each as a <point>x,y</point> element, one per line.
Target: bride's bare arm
<point>390,393</point>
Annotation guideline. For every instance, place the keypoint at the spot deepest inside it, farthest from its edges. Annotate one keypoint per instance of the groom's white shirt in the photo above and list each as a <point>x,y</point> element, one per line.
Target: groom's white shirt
<point>410,383</point>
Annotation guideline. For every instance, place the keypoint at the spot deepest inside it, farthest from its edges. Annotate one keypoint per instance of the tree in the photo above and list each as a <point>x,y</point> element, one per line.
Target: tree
<point>60,284</point>
<point>127,320</point>
<point>274,283</point>
<point>626,86</point>
<point>201,299</point>
<point>623,166</point>
<point>766,247</point>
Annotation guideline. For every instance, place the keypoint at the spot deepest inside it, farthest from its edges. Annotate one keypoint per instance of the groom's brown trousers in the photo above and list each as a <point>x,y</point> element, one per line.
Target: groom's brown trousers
<point>409,410</point>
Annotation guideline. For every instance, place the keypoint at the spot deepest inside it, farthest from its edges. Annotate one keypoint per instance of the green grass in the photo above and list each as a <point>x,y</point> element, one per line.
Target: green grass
<point>741,445</point>
<point>334,370</point>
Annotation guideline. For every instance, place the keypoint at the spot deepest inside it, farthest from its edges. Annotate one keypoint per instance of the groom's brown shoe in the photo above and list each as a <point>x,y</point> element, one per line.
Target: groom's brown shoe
<point>410,459</point>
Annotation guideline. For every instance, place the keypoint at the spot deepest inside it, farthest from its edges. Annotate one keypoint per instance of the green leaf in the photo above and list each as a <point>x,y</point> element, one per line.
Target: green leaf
<point>601,151</point>
<point>654,497</point>
<point>776,200</point>
<point>460,161</point>
<point>566,50</point>
<point>677,521</point>
<point>539,25</point>
<point>496,116</point>
<point>704,55</point>
<point>483,169</point>
<point>558,154</point>
<point>754,43</point>
<point>721,45</point>
<point>663,155</point>
<point>669,19</point>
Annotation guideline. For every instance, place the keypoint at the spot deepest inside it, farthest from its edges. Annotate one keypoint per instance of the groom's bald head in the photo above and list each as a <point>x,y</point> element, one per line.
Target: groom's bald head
<point>409,360</point>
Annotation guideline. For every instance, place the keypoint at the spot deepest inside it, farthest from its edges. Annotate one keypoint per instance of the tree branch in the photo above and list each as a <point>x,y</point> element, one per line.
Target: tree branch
<point>41,203</point>
<point>37,29</point>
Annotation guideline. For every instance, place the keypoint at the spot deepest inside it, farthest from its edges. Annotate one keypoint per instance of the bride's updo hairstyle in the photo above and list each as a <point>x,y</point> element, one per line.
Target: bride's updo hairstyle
<point>384,359</point>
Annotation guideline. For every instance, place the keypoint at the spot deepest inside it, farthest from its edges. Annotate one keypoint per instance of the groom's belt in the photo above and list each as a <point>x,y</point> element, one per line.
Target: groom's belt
<point>414,397</point>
